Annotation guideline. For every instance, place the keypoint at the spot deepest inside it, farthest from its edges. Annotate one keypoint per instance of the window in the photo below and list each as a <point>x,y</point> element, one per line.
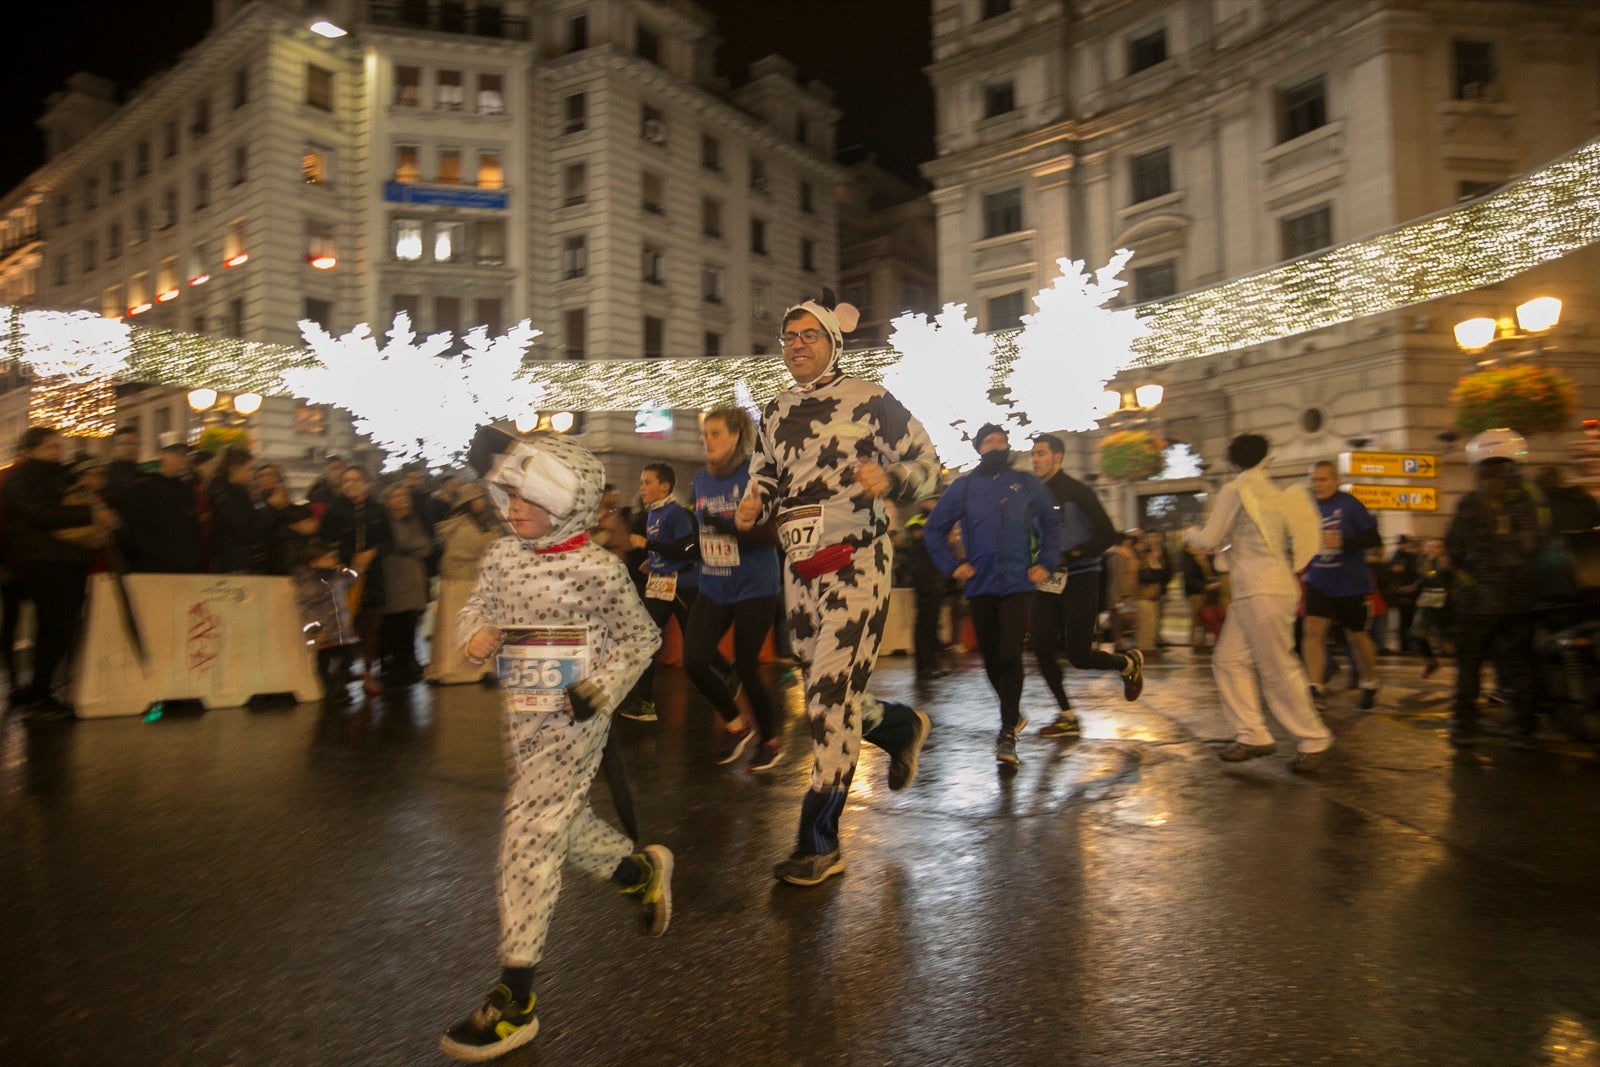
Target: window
<point>141,223</point>
<point>202,189</point>
<point>167,280</point>
<point>448,246</point>
<point>91,194</point>
<point>647,44</point>
<point>489,242</point>
<point>169,207</point>
<point>652,193</point>
<point>319,87</point>
<point>408,240</point>
<point>808,254</point>
<point>141,159</point>
<point>999,99</point>
<point>139,293</point>
<point>321,313</point>
<point>447,314</point>
<point>577,36</point>
<point>574,256</point>
<point>114,183</point>
<point>111,305</point>
<point>62,266</point>
<point>488,314</point>
<point>233,318</point>
<point>241,87</point>
<point>758,175</point>
<point>1002,212</point>
<point>491,175</point>
<point>1301,109</point>
<point>710,153</point>
<point>1475,74</point>
<point>409,305</point>
<point>655,334</point>
<point>64,209</point>
<point>202,118</point>
<point>652,125</point>
<point>448,93</point>
<point>760,297</point>
<point>711,345</point>
<point>574,328</point>
<point>858,292</point>
<point>452,16</point>
<point>1005,312</point>
<point>90,256</point>
<point>199,271</point>
<point>235,249</point>
<point>1151,174</point>
<point>1307,232</point>
<point>573,185</point>
<point>407,86</point>
<point>993,9</point>
<point>406,167</point>
<point>170,138</point>
<point>758,236</point>
<point>576,109</point>
<point>1145,52</point>
<point>449,166</point>
<point>711,284</point>
<point>711,217</point>
<point>113,240</point>
<point>241,164</point>
<point>491,94</point>
<point>314,165</point>
<point>653,264</point>
<point>807,204</point>
<point>1156,282</point>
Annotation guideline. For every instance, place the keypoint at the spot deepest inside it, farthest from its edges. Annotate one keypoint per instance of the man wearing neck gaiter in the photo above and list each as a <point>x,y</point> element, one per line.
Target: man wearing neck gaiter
<point>830,450</point>
<point>1008,524</point>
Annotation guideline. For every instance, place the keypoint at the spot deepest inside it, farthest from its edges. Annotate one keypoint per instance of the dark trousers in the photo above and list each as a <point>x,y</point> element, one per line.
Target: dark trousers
<point>10,619</point>
<point>925,634</point>
<point>662,610</point>
<point>397,641</point>
<point>57,590</point>
<point>1001,623</point>
<point>751,620</point>
<point>1067,618</point>
<point>1508,639</point>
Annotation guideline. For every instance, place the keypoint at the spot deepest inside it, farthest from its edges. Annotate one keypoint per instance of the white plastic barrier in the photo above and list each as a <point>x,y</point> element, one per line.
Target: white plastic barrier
<point>447,665</point>
<point>219,639</point>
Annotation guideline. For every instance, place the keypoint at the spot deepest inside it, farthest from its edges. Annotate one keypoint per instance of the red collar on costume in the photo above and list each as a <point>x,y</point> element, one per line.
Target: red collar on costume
<point>565,546</point>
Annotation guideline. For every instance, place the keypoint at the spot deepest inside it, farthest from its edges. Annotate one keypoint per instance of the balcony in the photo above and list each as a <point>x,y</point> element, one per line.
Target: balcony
<point>453,19</point>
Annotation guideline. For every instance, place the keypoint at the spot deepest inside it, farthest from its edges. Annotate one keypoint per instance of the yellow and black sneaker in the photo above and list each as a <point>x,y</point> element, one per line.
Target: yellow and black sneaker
<point>1133,674</point>
<point>496,1028</point>
<point>655,888</point>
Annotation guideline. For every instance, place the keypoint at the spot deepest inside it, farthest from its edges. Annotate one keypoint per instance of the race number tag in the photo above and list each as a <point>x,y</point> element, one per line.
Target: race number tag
<point>718,549</point>
<point>661,587</point>
<point>800,531</point>
<point>1431,598</point>
<point>1056,583</point>
<point>536,665</point>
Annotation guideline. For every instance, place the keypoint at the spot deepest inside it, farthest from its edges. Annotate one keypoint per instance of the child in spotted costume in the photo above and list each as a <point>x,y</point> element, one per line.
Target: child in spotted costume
<point>569,636</point>
<point>830,450</point>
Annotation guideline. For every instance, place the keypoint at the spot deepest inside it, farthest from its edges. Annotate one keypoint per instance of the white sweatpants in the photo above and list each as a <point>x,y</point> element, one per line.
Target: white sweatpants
<point>1258,640</point>
<point>549,822</point>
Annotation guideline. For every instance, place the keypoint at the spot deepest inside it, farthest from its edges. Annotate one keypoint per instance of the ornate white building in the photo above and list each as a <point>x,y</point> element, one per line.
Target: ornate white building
<point>1215,138</point>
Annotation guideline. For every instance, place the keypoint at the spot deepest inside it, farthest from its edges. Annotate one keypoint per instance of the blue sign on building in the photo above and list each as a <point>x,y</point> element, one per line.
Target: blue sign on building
<point>444,195</point>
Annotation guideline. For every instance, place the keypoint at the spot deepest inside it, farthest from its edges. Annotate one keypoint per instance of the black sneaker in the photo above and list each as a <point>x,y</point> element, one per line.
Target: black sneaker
<point>814,868</point>
<point>1369,697</point>
<point>655,892</point>
<point>1005,748</point>
<point>903,766</point>
<point>642,711</point>
<point>733,745</point>
<point>1133,675</point>
<point>496,1028</point>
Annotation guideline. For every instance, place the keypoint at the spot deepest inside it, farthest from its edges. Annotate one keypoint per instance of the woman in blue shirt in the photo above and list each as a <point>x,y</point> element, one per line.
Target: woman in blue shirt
<point>738,588</point>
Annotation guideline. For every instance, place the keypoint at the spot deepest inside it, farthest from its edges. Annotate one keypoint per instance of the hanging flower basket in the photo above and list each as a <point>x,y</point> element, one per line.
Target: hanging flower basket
<point>1526,398</point>
<point>215,439</point>
<point>1131,455</point>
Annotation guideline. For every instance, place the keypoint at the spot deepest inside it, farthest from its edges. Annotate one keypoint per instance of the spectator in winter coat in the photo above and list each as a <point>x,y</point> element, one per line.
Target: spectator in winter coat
<point>160,522</point>
<point>238,527</point>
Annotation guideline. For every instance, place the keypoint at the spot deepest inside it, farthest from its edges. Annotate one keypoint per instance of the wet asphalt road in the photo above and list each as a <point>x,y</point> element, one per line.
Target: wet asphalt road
<point>307,887</point>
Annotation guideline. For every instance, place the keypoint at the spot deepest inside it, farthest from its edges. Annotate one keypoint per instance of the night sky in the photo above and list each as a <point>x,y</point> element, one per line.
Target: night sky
<point>870,51</point>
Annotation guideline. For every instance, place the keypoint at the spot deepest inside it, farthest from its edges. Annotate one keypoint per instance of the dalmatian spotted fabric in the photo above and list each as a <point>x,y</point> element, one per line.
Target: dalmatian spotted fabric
<point>806,454</point>
<point>553,759</point>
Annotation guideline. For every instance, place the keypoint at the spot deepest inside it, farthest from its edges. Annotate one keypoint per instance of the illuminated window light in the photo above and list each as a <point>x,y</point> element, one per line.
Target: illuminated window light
<point>200,279</point>
<point>324,262</point>
<point>140,309</point>
<point>324,28</point>
<point>165,295</point>
<point>238,260</point>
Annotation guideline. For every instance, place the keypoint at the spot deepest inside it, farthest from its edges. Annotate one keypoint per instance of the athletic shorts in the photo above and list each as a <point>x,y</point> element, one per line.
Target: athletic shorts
<point>1348,611</point>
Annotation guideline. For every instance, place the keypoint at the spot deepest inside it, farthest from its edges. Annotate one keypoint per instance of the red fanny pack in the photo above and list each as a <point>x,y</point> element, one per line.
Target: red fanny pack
<point>824,561</point>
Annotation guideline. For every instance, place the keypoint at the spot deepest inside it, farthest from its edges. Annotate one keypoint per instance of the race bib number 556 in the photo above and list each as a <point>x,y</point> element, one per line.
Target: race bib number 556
<point>536,665</point>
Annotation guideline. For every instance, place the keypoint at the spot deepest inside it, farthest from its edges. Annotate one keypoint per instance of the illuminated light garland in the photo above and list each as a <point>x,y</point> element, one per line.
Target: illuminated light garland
<point>943,379</point>
<point>1547,215</point>
<point>79,346</point>
<point>414,401</point>
<point>77,409</point>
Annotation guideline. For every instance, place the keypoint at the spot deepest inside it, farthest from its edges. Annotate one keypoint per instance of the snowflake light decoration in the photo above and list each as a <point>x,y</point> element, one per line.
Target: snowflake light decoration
<point>79,346</point>
<point>943,378</point>
<point>413,400</point>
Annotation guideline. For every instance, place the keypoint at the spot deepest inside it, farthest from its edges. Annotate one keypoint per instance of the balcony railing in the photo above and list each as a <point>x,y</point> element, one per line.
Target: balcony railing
<point>484,23</point>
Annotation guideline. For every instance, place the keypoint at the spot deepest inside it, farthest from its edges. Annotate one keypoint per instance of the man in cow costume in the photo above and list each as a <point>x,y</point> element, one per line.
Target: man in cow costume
<point>831,449</point>
<point>562,620</point>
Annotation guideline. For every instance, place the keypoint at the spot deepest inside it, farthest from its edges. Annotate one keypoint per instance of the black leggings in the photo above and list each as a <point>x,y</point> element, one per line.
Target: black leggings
<point>662,610</point>
<point>750,619</point>
<point>1001,622</point>
<point>1070,615</point>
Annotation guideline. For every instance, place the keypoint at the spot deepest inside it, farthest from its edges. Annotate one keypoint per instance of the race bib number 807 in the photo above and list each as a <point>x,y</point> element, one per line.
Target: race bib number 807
<point>800,531</point>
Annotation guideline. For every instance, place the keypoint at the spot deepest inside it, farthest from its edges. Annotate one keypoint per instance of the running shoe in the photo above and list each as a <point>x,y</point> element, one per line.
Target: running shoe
<point>497,1027</point>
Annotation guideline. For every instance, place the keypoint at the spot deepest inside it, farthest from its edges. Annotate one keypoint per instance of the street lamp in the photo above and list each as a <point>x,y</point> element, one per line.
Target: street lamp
<point>213,406</point>
<point>1494,336</point>
<point>1131,407</point>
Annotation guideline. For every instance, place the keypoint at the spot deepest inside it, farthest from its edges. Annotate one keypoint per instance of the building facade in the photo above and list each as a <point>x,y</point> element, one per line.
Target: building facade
<point>1217,138</point>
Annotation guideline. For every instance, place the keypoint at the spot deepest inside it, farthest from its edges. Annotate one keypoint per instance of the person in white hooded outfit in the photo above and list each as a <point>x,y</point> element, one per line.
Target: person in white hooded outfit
<point>1266,536</point>
<point>559,615</point>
